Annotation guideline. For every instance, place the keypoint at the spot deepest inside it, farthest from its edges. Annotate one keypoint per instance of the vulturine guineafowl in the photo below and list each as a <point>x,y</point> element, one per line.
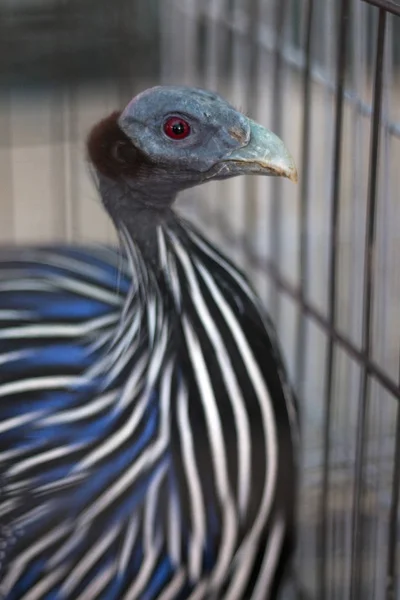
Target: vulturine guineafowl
<point>148,432</point>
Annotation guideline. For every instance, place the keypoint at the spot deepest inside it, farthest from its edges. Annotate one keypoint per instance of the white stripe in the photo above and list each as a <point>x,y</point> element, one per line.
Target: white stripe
<point>129,302</point>
<point>237,401</point>
<point>162,248</point>
<point>210,408</point>
<point>174,586</point>
<point>270,561</point>
<point>112,363</point>
<point>88,561</point>
<point>37,383</point>
<point>114,441</point>
<point>59,484</point>
<point>18,486</point>
<point>168,265</point>
<point>199,591</point>
<point>146,570</point>
<point>103,339</point>
<point>150,507</point>
<point>92,591</point>
<point>73,541</point>
<point>266,321</point>
<point>174,531</point>
<point>45,584</point>
<point>127,547</point>
<point>129,329</point>
<point>229,529</point>
<point>266,409</point>
<point>244,561</point>
<point>174,279</point>
<point>82,412</point>
<point>18,565</point>
<point>144,462</point>
<point>151,313</point>
<point>9,454</point>
<point>157,357</point>
<point>9,315</point>
<point>58,330</point>
<point>131,387</point>
<point>135,259</point>
<point>88,290</point>
<point>43,457</point>
<point>13,356</point>
<point>25,285</point>
<point>197,508</point>
<point>226,266</point>
<point>8,424</point>
<point>7,506</point>
<point>32,515</point>
<point>64,262</point>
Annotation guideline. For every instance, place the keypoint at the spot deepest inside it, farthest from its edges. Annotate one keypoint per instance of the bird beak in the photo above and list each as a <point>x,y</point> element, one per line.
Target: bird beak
<point>265,154</point>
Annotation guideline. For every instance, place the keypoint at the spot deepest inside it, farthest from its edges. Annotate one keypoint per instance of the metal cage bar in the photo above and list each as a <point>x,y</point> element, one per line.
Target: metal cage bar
<point>332,291</point>
<point>367,310</point>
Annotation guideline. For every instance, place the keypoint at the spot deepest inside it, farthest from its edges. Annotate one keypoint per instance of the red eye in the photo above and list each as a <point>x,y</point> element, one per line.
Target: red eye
<point>176,128</point>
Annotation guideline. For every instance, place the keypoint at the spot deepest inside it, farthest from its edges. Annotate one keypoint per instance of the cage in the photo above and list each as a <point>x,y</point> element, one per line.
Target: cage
<point>324,256</point>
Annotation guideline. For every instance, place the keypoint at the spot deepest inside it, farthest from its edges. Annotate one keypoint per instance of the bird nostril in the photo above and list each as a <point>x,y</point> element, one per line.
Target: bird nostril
<point>237,134</point>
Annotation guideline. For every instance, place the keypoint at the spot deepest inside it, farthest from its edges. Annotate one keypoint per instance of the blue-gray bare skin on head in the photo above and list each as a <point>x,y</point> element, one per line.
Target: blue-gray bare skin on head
<point>217,129</point>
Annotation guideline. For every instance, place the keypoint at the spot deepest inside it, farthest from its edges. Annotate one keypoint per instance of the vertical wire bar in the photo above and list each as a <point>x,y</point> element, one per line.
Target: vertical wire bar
<point>124,38</point>
<point>165,19</point>
<point>73,183</point>
<point>357,545</point>
<point>301,333</point>
<point>58,124</point>
<point>57,171</point>
<point>389,229</point>
<point>354,275</point>
<point>239,57</point>
<point>191,41</point>
<point>380,317</point>
<point>358,141</point>
<point>332,288</point>
<point>214,47</point>
<point>8,228</point>
<point>210,209</point>
<point>185,57</point>
<point>301,325</point>
<point>68,142</point>
<point>391,587</point>
<point>250,199</point>
<point>276,119</point>
<point>392,558</point>
<point>383,336</point>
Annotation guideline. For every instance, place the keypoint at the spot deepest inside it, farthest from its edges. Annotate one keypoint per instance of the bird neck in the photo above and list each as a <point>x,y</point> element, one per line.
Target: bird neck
<point>139,208</point>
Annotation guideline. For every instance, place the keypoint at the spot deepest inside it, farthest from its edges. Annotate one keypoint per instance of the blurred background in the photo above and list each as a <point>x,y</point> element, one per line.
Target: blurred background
<point>324,255</point>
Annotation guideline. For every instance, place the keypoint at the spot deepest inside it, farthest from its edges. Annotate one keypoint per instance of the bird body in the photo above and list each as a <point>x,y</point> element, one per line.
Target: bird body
<point>147,427</point>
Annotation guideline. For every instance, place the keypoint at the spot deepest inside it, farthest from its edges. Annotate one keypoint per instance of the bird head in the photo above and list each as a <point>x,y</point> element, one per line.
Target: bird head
<point>170,138</point>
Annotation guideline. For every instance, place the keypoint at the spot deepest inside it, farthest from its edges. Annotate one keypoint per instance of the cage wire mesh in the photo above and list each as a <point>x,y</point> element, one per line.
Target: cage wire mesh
<point>324,76</point>
<point>324,255</point>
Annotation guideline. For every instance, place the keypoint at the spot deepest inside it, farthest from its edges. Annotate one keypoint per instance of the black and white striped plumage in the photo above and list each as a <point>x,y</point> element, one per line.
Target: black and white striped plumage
<point>147,429</point>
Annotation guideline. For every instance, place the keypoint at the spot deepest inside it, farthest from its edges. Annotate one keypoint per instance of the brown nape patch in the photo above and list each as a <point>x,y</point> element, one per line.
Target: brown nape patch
<point>111,151</point>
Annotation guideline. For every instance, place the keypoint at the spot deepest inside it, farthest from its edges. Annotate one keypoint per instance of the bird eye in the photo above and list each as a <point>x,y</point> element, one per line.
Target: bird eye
<point>176,128</point>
